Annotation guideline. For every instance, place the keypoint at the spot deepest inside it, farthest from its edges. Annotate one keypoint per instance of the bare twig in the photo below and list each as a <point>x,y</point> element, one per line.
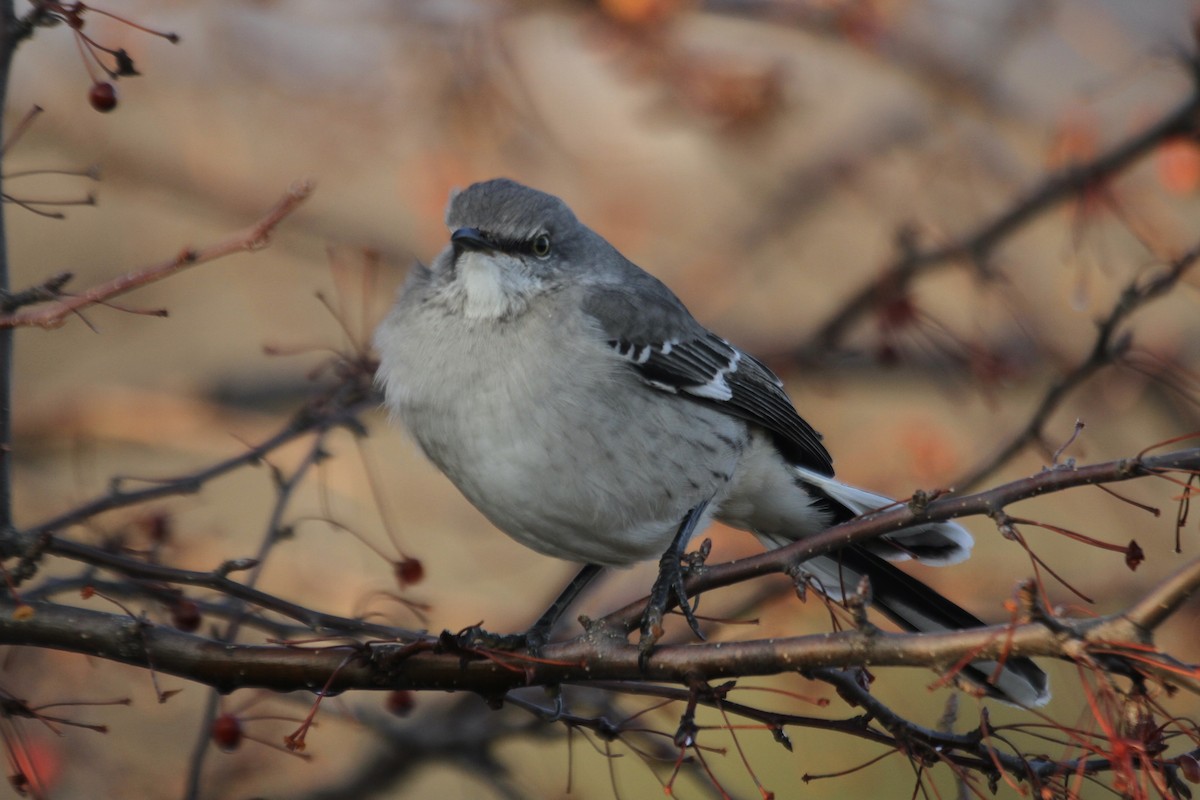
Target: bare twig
<point>253,238</point>
<point>1107,349</point>
<point>976,246</point>
<point>127,589</point>
<point>1163,600</point>
<point>217,581</point>
<point>285,489</point>
<point>309,420</point>
<point>47,290</point>
<point>20,128</point>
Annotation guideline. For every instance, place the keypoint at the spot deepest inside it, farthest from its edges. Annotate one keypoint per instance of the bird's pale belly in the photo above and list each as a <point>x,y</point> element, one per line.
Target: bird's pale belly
<point>649,471</point>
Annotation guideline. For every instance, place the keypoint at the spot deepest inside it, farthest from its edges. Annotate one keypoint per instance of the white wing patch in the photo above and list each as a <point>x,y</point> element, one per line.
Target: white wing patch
<point>710,369</point>
<point>717,387</point>
<point>698,367</point>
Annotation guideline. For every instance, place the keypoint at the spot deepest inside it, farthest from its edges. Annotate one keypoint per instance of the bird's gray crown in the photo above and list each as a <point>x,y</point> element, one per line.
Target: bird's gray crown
<point>508,211</point>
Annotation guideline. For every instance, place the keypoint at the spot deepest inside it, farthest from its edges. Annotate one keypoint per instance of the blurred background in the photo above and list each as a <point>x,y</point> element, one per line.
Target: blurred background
<point>766,158</point>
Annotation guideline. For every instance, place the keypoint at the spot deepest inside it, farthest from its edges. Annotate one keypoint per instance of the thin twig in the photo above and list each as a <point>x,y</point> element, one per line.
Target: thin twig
<point>876,524</point>
<point>977,245</point>
<point>285,489</point>
<point>303,424</point>
<point>253,238</point>
<point>20,128</point>
<point>1106,349</point>
<point>217,581</point>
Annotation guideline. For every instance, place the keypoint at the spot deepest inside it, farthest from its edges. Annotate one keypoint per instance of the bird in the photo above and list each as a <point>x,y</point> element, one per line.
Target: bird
<point>573,399</point>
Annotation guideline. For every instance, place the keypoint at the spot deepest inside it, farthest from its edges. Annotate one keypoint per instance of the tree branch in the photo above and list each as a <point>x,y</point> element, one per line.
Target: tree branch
<point>790,558</point>
<point>603,651</point>
<point>976,245</point>
<point>1166,598</point>
<point>253,238</point>
<point>344,410</point>
<point>442,664</point>
<point>1106,350</point>
<point>9,36</point>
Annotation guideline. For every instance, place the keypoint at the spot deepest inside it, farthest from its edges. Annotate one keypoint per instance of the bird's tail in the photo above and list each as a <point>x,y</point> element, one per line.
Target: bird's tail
<point>937,544</point>
<point>905,600</point>
<point>916,607</point>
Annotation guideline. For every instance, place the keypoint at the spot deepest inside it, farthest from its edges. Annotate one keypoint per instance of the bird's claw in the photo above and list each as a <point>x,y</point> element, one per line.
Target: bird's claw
<point>668,587</point>
<point>476,638</point>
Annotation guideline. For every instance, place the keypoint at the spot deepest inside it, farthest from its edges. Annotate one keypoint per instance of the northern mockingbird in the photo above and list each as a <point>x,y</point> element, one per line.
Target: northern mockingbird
<point>577,403</point>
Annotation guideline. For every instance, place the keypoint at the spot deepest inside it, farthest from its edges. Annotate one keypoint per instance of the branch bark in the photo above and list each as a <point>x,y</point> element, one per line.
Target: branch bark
<point>603,652</point>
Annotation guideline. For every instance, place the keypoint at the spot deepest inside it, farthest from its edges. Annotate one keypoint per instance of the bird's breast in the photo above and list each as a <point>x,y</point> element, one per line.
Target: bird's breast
<point>553,438</point>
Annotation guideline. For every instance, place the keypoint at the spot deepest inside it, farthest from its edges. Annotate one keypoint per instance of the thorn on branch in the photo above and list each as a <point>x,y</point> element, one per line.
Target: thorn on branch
<point>235,565</point>
<point>858,603</point>
<point>1079,426</point>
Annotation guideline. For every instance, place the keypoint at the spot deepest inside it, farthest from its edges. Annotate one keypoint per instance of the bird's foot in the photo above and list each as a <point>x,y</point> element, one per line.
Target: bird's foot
<point>477,638</point>
<point>668,588</point>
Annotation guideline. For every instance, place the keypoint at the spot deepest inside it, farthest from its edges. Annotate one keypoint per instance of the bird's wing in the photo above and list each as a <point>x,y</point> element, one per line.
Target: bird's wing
<point>671,352</point>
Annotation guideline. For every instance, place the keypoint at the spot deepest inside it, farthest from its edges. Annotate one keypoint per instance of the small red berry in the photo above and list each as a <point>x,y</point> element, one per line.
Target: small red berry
<point>897,312</point>
<point>185,615</point>
<point>157,526</point>
<point>400,702</point>
<point>226,732</point>
<point>409,571</point>
<point>103,96</point>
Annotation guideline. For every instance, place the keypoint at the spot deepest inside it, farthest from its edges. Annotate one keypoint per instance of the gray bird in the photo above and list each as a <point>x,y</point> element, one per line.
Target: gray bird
<point>575,401</point>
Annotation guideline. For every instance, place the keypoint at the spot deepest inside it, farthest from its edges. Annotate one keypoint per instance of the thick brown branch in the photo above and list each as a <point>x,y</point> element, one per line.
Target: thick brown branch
<point>597,655</point>
<point>1165,599</point>
<point>227,666</point>
<point>603,654</point>
<point>253,238</point>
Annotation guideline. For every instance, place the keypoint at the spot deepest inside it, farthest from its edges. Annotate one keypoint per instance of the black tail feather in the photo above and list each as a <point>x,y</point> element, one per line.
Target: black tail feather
<point>917,608</point>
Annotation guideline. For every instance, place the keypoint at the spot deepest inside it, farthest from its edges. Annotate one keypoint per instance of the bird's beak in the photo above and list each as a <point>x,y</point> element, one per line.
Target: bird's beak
<point>470,239</point>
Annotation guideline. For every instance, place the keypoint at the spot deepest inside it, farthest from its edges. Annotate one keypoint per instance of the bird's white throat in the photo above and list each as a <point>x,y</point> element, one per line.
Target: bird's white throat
<point>491,287</point>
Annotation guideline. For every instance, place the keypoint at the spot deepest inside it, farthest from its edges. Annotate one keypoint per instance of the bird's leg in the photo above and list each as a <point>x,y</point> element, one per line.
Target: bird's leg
<point>668,585</point>
<point>539,633</point>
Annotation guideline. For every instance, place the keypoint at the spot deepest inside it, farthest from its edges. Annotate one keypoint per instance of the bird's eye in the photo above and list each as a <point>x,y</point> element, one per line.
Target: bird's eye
<point>541,246</point>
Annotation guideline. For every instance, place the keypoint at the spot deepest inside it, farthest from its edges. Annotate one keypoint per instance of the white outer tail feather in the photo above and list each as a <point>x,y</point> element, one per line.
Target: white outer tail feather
<point>949,535</point>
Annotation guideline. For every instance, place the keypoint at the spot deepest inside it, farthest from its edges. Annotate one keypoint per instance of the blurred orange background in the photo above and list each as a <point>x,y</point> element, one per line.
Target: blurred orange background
<point>762,158</point>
